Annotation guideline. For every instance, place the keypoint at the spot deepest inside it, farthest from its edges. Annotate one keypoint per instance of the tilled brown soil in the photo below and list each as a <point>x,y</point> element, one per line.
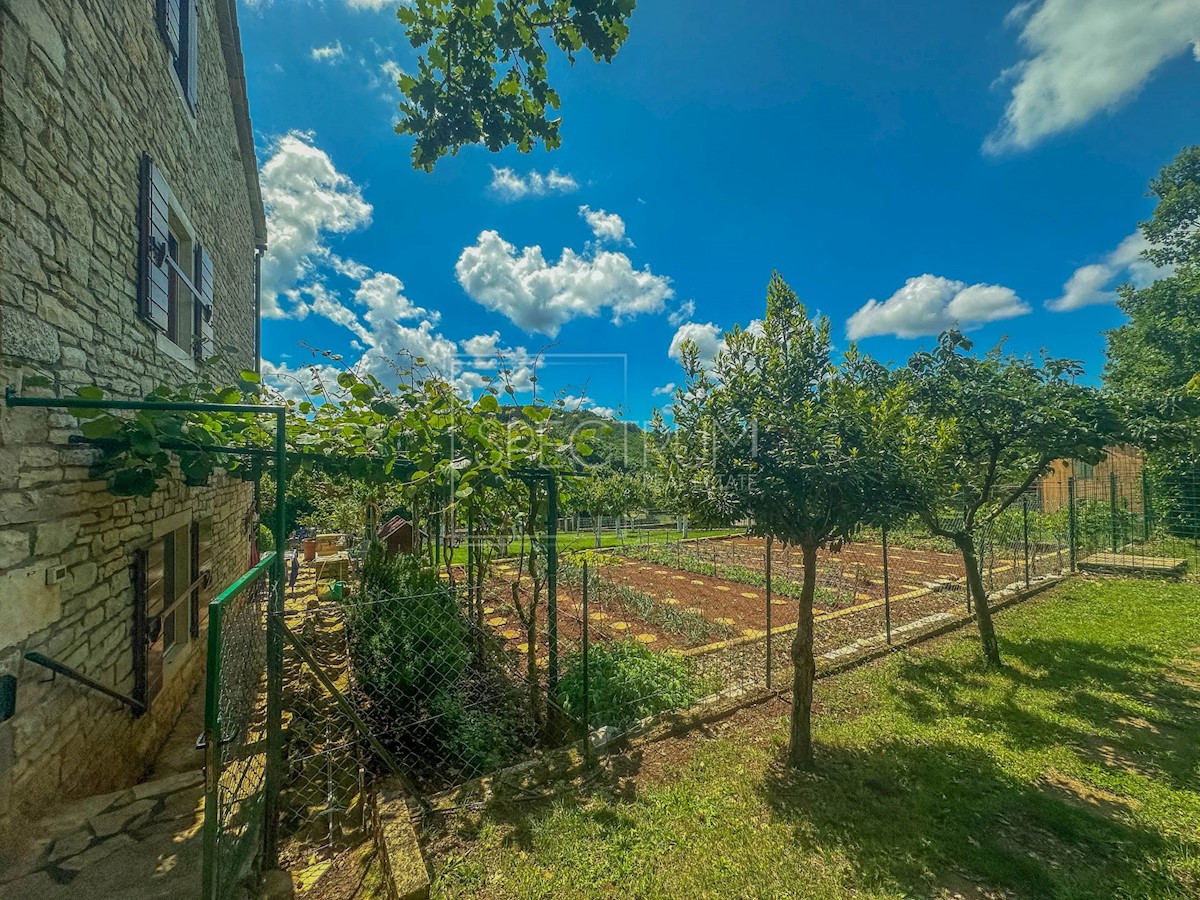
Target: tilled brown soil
<point>740,609</point>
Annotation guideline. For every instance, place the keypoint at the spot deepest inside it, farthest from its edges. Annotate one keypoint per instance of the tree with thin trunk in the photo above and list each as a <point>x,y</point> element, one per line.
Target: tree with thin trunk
<point>987,427</point>
<point>778,433</point>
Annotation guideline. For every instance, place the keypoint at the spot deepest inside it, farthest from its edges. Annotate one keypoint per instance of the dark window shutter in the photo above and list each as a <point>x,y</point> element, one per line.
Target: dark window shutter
<point>168,24</point>
<point>204,304</point>
<point>153,283</point>
<point>139,637</point>
<point>194,603</point>
<point>146,573</point>
<point>193,50</point>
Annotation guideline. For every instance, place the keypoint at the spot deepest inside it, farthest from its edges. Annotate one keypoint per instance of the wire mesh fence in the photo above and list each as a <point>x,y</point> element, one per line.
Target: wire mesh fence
<point>235,730</point>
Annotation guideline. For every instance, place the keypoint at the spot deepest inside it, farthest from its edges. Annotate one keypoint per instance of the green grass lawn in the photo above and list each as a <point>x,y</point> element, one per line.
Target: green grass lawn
<point>586,540</point>
<point>1072,773</point>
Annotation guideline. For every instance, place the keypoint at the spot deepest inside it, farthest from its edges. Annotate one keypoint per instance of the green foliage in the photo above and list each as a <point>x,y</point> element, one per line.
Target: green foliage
<point>1154,357</point>
<point>1172,230</point>
<point>990,425</point>
<point>606,492</point>
<point>482,74</point>
<point>627,683</point>
<point>408,638</point>
<point>475,740</point>
<point>780,434</point>
<point>266,539</point>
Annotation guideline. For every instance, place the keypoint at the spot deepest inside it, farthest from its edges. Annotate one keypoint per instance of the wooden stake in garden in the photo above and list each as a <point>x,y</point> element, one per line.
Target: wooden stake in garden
<point>777,433</point>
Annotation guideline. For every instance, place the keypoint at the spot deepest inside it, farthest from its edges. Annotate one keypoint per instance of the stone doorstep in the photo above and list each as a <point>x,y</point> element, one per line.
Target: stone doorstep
<point>172,784</point>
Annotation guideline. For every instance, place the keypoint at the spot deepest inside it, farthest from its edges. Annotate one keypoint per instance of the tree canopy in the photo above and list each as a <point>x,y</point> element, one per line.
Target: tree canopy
<point>482,70</point>
<point>987,427</point>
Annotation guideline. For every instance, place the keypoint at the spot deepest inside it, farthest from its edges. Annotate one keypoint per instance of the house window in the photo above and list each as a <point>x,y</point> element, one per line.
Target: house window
<point>1084,471</point>
<point>171,586</point>
<point>176,284</point>
<point>179,25</point>
<point>181,292</point>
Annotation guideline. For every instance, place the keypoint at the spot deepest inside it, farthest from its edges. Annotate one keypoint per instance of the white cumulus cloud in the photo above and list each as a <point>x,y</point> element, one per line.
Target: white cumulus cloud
<point>541,296</point>
<point>1083,57</point>
<point>665,391</point>
<point>508,184</point>
<point>306,198</point>
<point>604,225</point>
<point>1095,284</point>
<point>929,304</point>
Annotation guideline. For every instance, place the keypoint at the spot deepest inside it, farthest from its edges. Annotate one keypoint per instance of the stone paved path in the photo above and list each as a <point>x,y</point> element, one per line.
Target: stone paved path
<point>143,843</point>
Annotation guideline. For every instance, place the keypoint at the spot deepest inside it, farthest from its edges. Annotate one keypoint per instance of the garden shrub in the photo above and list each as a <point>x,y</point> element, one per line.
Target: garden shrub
<point>474,740</point>
<point>266,538</point>
<point>408,637</point>
<point>627,682</point>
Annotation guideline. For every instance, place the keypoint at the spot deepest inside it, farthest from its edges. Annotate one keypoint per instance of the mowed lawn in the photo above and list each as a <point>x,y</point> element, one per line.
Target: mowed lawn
<point>1072,773</point>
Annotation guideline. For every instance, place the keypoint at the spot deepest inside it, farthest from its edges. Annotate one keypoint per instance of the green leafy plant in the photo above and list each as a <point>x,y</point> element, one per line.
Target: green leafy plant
<point>474,740</point>
<point>627,683</point>
<point>408,638</point>
<point>266,540</point>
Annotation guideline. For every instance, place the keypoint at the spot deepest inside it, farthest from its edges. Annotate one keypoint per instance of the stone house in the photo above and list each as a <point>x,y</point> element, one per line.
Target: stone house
<point>131,228</point>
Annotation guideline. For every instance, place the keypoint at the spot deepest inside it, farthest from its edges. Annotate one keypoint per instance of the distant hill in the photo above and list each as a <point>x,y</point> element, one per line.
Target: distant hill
<point>622,445</point>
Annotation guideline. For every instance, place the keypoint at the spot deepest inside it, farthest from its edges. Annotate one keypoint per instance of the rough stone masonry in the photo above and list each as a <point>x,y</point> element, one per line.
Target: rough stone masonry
<point>87,88</point>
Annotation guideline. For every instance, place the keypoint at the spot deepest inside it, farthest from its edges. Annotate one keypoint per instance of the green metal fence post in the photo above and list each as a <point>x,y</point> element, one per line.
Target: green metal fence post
<point>1145,504</point>
<point>1112,506</point>
<point>887,590</point>
<point>1072,525</point>
<point>552,580</point>
<point>275,608</point>
<point>1025,528</point>
<point>587,697</point>
<point>212,749</point>
<point>770,542</point>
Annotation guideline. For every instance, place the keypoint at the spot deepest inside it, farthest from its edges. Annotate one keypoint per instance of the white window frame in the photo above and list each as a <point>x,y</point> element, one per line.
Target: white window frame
<point>184,296</point>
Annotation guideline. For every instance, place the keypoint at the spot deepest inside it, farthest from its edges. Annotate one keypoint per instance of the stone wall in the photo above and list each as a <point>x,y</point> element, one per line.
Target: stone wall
<point>85,89</point>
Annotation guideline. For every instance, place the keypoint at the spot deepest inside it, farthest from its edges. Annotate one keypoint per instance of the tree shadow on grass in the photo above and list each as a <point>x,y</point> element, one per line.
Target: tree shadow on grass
<point>1128,709</point>
<point>915,818</point>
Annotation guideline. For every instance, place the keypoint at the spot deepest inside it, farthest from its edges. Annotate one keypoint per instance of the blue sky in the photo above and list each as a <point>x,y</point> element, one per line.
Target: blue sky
<point>904,166</point>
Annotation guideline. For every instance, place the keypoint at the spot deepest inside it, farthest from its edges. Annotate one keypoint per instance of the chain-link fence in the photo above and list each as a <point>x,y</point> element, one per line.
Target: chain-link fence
<point>235,730</point>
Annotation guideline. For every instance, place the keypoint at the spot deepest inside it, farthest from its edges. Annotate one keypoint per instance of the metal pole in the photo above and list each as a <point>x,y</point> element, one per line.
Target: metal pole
<point>770,543</point>
<point>1025,524</point>
<point>212,749</point>
<point>587,697</point>
<point>552,579</point>
<point>275,610</point>
<point>1072,525</point>
<point>887,591</point>
<point>1112,507</point>
<point>471,559</point>
<point>1145,503</point>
